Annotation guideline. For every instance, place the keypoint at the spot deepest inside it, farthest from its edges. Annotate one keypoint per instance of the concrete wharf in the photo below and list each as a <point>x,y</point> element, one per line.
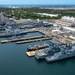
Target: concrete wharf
<point>32,53</point>
<point>21,39</point>
<point>28,41</point>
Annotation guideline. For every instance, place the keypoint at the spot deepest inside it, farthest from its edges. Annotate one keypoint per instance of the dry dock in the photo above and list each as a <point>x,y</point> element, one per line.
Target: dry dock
<point>32,53</point>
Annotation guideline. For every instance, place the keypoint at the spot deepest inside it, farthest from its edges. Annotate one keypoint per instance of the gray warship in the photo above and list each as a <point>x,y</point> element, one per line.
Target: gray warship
<point>10,33</point>
<point>38,46</point>
<point>47,52</point>
<point>64,53</point>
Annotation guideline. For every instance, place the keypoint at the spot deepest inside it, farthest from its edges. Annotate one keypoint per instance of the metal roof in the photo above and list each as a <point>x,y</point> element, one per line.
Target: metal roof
<point>69,28</point>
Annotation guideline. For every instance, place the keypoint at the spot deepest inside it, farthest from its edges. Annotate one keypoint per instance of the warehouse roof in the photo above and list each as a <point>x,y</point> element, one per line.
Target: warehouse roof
<point>69,28</point>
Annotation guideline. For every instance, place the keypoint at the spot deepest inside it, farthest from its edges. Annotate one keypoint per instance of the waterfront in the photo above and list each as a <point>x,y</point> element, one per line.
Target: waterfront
<point>14,61</point>
<point>14,20</point>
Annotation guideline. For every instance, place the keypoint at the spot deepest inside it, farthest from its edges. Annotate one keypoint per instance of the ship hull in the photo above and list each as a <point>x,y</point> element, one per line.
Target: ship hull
<point>10,35</point>
<point>37,48</point>
<point>60,58</point>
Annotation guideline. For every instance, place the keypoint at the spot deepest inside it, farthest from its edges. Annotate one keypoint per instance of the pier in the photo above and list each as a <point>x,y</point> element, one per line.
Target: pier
<point>21,39</point>
<point>40,30</point>
<point>26,26</point>
<point>20,33</point>
<point>44,37</point>
<point>28,41</point>
<point>30,31</point>
<point>43,31</point>
<point>32,53</point>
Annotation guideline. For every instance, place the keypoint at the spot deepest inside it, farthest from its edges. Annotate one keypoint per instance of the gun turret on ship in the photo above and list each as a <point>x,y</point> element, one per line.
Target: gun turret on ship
<point>64,53</point>
<point>47,52</point>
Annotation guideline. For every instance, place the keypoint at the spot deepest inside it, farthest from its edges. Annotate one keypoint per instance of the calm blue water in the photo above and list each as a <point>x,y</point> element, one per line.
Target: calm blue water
<point>14,61</point>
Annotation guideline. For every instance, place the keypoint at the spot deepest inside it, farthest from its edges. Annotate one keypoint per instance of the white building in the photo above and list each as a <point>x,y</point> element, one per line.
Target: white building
<point>46,14</point>
<point>69,29</point>
<point>68,18</point>
<point>66,21</point>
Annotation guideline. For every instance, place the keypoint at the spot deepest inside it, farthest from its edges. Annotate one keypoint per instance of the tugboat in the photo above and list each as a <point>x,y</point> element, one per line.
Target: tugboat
<point>47,52</point>
<point>39,46</point>
<point>63,54</point>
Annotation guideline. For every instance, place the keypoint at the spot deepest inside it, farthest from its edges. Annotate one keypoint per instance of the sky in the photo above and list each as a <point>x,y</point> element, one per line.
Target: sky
<point>31,2</point>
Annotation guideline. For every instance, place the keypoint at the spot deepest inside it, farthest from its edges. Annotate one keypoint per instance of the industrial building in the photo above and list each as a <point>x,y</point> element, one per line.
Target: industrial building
<point>66,21</point>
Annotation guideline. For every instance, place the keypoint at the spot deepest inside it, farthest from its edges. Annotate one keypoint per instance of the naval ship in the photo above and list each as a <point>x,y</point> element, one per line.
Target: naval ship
<point>47,52</point>
<point>63,54</point>
<point>39,46</point>
<point>12,32</point>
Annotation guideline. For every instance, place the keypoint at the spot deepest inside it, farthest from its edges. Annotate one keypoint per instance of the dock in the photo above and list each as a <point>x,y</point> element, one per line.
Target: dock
<point>28,41</point>
<point>32,53</point>
<point>30,31</point>
<point>36,30</point>
<point>21,33</point>
<point>21,39</point>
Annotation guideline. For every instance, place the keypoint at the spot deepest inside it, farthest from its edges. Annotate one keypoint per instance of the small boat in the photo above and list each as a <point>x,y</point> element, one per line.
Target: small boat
<point>37,47</point>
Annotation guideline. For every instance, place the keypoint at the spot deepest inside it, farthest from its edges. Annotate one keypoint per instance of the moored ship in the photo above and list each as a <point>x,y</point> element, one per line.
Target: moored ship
<point>39,46</point>
<point>11,32</point>
<point>63,54</point>
<point>47,52</point>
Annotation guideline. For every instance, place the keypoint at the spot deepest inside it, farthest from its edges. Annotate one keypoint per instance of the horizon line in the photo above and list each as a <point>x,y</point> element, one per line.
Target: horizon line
<point>37,4</point>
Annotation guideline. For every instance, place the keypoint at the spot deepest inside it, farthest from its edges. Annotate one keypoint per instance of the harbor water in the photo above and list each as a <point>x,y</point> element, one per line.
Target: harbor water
<point>14,61</point>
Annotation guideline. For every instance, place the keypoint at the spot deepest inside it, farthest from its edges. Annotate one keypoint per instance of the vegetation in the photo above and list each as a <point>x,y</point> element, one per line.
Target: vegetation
<point>31,13</point>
